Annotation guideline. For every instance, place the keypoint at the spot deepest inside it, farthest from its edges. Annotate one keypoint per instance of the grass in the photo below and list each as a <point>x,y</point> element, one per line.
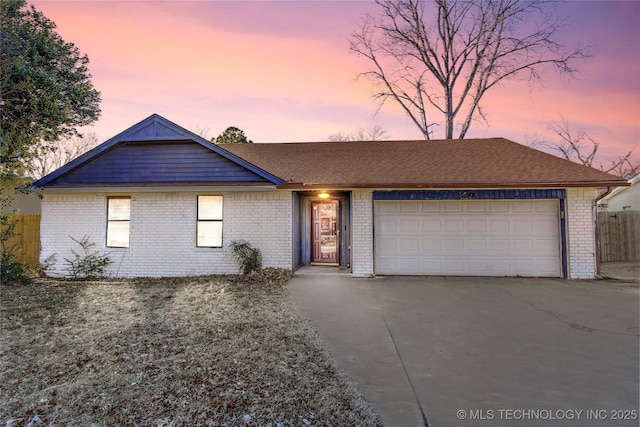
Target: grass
<point>208,351</point>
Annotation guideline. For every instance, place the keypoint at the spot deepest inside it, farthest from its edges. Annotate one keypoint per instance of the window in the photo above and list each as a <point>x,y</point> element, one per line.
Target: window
<point>209,222</point>
<point>118,221</point>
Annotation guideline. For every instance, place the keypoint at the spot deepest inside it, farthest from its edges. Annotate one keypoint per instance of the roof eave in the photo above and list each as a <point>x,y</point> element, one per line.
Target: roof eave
<point>476,185</point>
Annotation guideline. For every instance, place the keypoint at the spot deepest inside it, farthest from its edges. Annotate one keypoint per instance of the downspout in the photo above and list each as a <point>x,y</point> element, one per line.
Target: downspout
<point>595,218</point>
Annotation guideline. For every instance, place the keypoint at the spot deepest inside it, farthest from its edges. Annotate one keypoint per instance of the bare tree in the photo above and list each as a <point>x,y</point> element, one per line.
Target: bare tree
<point>374,133</point>
<point>49,156</point>
<point>579,147</point>
<point>440,58</point>
<point>202,131</point>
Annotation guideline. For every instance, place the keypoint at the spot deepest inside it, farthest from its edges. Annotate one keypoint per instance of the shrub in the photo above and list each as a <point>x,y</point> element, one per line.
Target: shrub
<point>249,258</point>
<point>89,264</point>
<point>12,271</point>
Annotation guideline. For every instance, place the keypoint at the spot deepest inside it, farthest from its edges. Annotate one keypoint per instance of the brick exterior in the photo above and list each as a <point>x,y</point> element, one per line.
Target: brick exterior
<point>162,236</point>
<point>163,231</point>
<point>581,247</point>
<point>362,233</point>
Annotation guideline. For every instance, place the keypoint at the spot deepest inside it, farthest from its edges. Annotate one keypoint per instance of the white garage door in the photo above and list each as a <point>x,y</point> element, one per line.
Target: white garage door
<point>474,238</point>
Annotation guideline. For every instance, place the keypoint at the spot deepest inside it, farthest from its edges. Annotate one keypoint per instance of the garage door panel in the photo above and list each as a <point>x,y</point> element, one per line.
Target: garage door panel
<point>387,264</point>
<point>387,245</point>
<point>545,268</point>
<point>478,207</point>
<point>408,246</point>
<point>433,207</point>
<point>546,206</point>
<point>386,208</point>
<point>477,245</point>
<point>386,225</point>
<point>411,265</point>
<point>468,237</point>
<point>546,226</point>
<point>521,207</point>
<point>454,245</point>
<point>499,226</point>
<point>476,264</point>
<point>498,206</point>
<point>499,245</point>
<point>408,207</point>
<point>549,246</point>
<point>499,267</point>
<point>431,225</point>
<point>407,225</point>
<point>524,266</point>
<point>522,245</point>
<point>453,265</point>
<point>431,245</point>
<point>432,264</point>
<point>453,225</point>
<point>522,226</point>
<point>453,206</point>
<point>477,225</point>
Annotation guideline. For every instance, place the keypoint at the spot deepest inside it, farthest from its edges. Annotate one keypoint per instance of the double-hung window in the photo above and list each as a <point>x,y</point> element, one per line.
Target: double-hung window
<point>209,227</point>
<point>118,221</point>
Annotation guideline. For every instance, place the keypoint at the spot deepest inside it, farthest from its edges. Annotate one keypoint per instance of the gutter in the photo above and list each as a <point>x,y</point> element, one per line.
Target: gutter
<point>595,227</point>
<point>462,185</point>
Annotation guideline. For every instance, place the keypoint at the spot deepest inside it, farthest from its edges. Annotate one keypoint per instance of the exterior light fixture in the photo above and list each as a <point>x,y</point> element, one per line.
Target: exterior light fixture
<point>324,195</point>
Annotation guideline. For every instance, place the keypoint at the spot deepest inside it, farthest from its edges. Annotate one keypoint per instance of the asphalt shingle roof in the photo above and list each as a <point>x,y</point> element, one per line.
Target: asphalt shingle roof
<point>476,163</point>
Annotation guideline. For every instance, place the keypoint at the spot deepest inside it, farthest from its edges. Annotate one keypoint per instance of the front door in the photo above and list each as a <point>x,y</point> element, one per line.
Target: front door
<point>324,232</point>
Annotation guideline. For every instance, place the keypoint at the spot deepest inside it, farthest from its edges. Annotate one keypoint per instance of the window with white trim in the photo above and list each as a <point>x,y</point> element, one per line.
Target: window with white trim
<point>209,227</point>
<point>118,221</point>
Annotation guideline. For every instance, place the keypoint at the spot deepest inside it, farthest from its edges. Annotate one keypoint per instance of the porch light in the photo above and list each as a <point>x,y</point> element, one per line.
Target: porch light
<point>324,195</point>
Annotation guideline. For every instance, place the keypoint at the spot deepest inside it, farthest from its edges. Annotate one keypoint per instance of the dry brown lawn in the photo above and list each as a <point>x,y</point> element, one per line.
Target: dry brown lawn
<point>217,351</point>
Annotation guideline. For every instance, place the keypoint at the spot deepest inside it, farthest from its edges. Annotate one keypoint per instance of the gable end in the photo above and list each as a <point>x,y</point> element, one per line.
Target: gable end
<point>164,163</point>
<point>156,151</point>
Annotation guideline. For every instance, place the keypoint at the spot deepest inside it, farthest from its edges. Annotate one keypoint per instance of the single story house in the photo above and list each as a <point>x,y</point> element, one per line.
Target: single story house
<point>623,198</point>
<point>163,201</point>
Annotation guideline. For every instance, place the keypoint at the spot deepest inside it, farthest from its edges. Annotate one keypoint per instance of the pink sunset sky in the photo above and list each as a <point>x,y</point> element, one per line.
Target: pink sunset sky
<point>282,71</point>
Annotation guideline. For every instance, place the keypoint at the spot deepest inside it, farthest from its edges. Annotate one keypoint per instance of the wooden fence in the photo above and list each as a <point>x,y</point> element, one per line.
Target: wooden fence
<point>25,242</point>
<point>619,236</point>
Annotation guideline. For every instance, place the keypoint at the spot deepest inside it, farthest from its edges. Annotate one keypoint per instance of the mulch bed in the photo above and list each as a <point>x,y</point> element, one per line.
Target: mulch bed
<point>205,351</point>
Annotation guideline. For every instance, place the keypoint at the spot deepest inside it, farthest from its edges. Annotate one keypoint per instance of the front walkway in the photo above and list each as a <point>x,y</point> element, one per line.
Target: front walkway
<point>474,351</point>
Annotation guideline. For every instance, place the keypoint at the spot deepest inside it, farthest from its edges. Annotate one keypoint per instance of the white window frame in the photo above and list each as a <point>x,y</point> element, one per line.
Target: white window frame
<point>121,218</point>
<point>212,220</point>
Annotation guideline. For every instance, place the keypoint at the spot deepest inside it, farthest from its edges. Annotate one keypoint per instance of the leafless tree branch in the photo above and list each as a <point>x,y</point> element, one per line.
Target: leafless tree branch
<point>373,133</point>
<point>579,147</point>
<point>440,58</point>
<point>51,156</point>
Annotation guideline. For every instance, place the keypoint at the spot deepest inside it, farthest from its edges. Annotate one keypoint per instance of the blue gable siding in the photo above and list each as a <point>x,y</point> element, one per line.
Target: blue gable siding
<point>156,151</point>
<point>469,194</point>
<point>155,163</point>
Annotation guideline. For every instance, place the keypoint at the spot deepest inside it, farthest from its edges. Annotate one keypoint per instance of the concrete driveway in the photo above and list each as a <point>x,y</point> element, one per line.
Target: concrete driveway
<point>483,351</point>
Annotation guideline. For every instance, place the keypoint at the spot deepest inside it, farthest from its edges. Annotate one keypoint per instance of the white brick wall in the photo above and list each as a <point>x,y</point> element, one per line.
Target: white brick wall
<point>581,245</point>
<point>362,233</point>
<point>163,231</point>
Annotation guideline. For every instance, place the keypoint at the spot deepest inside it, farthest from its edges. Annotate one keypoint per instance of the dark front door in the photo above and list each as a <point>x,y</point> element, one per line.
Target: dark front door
<point>324,232</point>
